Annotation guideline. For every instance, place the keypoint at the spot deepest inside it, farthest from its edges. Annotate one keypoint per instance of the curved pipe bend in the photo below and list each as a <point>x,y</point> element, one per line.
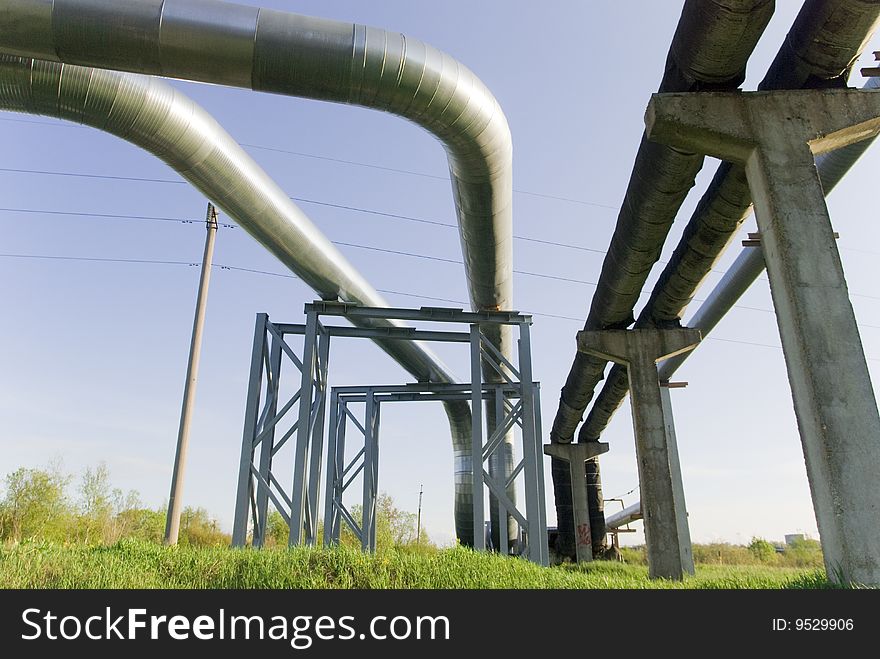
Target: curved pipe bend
<point>284,53</point>
<point>153,115</point>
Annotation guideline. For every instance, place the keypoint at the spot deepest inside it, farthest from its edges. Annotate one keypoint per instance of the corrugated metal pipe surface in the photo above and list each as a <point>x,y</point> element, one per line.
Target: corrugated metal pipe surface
<point>151,114</point>
<point>286,53</point>
<point>709,50</point>
<point>823,43</point>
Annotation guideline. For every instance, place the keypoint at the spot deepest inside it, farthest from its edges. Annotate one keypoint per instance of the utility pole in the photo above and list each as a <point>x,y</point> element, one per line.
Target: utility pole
<point>419,518</point>
<point>172,523</point>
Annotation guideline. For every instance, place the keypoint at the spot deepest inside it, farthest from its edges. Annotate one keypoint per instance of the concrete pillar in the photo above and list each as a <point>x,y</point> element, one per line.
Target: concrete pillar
<point>776,135</point>
<point>666,528</point>
<point>576,455</point>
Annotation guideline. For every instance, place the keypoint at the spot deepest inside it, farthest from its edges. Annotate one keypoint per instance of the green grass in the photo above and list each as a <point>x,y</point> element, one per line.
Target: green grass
<point>137,564</point>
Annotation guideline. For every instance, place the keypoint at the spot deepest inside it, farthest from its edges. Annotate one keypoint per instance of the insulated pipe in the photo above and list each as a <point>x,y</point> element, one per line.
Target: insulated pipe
<point>712,42</point>
<point>151,114</point>
<point>284,53</point>
<point>280,52</point>
<point>823,60</point>
<point>749,265</point>
<point>709,50</point>
<point>629,514</point>
<point>824,41</point>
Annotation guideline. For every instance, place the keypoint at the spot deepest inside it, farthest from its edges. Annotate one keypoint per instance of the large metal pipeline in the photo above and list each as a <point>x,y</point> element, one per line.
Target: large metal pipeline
<point>819,51</point>
<point>279,52</point>
<point>151,114</point>
<point>747,267</point>
<point>712,42</point>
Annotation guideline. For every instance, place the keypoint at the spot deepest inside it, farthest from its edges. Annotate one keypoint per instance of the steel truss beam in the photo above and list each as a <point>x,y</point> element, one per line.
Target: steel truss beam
<point>516,401</point>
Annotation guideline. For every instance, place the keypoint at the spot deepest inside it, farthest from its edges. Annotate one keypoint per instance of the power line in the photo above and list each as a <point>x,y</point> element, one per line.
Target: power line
<point>356,163</point>
<point>289,276</point>
<point>43,172</point>
<point>52,257</point>
<point>356,209</point>
<point>221,266</point>
<point>382,250</point>
<point>371,248</point>
<point>114,216</point>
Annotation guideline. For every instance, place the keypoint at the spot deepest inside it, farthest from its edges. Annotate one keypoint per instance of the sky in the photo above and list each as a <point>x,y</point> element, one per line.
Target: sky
<point>93,353</point>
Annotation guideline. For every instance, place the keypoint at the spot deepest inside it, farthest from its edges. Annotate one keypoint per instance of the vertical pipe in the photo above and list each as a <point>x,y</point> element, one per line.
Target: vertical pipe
<point>172,523</point>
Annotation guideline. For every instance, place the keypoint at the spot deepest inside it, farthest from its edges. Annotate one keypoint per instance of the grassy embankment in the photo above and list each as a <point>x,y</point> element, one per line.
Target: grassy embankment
<point>138,564</point>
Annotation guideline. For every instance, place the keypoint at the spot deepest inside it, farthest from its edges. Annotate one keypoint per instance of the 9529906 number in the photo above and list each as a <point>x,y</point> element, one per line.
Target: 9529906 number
<point>813,624</point>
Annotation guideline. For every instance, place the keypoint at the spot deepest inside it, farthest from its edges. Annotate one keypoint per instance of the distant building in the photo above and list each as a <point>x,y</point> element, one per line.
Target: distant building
<point>792,538</point>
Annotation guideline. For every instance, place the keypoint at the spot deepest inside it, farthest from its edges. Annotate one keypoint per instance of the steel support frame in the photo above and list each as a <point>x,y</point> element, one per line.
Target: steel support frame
<point>516,400</point>
<point>267,429</point>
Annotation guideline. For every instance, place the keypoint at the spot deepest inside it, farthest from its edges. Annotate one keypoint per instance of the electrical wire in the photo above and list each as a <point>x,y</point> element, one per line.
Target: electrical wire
<point>287,276</point>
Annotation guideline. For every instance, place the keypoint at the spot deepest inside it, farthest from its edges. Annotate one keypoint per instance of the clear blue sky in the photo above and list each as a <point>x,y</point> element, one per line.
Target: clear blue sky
<point>93,354</point>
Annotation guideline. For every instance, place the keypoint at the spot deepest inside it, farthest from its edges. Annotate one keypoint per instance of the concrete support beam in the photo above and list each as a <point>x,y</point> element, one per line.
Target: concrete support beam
<point>776,135</point>
<point>576,455</point>
<point>667,536</point>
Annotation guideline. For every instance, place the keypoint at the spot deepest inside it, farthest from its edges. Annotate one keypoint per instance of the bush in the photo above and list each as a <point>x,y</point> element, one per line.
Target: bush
<point>803,552</point>
<point>35,505</point>
<point>762,550</point>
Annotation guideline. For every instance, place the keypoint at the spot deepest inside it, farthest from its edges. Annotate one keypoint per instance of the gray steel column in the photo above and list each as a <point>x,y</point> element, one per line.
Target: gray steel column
<point>665,515</point>
<point>317,444</point>
<point>255,381</point>
<point>303,431</point>
<point>261,511</point>
<point>172,523</point>
<point>503,514</point>
<point>776,136</point>
<point>539,433</point>
<point>477,440</point>
<point>368,505</point>
<point>340,452</point>
<point>377,415</point>
<point>334,469</point>
<point>538,549</point>
<point>576,455</point>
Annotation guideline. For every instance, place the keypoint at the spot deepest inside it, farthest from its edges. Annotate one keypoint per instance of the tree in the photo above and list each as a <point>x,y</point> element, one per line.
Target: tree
<point>35,505</point>
<point>394,527</point>
<point>101,507</point>
<point>198,528</point>
<point>762,550</point>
